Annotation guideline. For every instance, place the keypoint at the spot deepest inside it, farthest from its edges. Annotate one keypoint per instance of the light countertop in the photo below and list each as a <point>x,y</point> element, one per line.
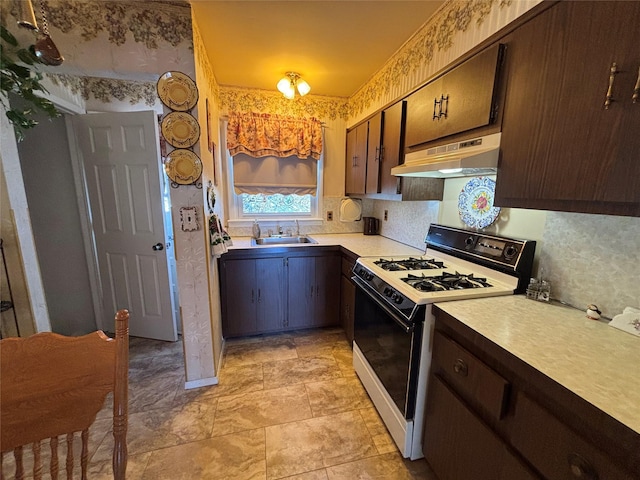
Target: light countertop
<point>593,360</point>
<point>361,245</point>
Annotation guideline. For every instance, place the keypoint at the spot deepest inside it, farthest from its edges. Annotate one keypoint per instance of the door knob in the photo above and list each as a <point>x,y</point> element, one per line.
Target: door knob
<point>158,246</point>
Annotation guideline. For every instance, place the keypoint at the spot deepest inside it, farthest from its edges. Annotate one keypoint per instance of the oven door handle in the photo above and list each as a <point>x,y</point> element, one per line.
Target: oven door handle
<point>408,327</point>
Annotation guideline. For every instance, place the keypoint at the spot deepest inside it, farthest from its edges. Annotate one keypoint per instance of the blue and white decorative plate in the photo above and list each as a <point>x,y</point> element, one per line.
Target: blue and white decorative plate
<point>475,203</point>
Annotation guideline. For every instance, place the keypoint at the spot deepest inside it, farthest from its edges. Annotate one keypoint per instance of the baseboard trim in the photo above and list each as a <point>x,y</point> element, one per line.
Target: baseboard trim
<point>203,382</point>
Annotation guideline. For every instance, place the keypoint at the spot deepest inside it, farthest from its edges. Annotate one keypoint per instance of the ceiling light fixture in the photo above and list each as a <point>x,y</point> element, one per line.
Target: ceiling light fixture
<point>290,82</point>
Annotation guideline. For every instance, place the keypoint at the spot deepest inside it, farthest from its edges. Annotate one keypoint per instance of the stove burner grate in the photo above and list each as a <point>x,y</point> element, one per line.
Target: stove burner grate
<point>446,281</point>
<point>410,263</point>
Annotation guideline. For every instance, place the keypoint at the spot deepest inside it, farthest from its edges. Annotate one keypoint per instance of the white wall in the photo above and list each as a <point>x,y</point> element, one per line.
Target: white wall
<point>55,219</point>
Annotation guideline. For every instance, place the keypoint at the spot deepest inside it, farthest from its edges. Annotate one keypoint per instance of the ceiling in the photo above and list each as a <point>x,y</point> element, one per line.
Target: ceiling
<point>336,46</point>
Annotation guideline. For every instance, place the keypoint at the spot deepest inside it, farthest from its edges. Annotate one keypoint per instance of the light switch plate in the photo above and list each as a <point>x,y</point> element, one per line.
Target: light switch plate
<point>189,219</point>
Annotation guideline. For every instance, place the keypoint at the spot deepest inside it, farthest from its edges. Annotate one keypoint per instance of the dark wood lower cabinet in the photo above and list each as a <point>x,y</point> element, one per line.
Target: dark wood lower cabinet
<point>347,303</point>
<point>268,290</point>
<point>314,291</point>
<point>542,431</point>
<point>254,296</point>
<point>347,294</point>
<point>459,446</point>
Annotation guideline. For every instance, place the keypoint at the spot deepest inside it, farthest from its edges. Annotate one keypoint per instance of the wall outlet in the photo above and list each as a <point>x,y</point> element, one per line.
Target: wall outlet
<point>329,215</point>
<point>386,215</point>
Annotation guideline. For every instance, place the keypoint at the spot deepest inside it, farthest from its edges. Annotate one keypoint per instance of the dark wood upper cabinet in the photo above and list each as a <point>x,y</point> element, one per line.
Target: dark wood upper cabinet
<point>374,153</point>
<point>356,161</point>
<point>561,149</point>
<point>392,146</point>
<point>384,149</point>
<point>363,157</point>
<point>460,100</point>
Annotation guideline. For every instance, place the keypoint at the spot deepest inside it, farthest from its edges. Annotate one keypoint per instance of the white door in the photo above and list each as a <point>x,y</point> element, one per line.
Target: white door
<point>123,177</point>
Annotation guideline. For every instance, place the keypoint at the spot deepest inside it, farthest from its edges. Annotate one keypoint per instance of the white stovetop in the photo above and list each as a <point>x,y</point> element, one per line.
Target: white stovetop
<point>501,284</point>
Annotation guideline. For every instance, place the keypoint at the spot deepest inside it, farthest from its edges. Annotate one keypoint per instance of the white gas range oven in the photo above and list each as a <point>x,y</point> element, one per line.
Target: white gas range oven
<point>394,322</point>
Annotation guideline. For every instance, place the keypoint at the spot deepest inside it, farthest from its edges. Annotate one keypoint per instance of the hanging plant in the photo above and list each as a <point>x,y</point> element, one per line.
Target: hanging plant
<point>18,75</point>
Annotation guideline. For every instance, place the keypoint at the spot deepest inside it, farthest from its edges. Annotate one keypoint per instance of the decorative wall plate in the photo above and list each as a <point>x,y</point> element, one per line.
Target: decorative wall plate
<point>177,91</point>
<point>180,129</point>
<point>183,167</point>
<point>475,203</point>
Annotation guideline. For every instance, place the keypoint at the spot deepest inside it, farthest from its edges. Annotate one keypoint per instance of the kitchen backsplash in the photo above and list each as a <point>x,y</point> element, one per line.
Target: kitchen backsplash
<point>407,222</point>
<point>587,258</point>
<point>592,259</point>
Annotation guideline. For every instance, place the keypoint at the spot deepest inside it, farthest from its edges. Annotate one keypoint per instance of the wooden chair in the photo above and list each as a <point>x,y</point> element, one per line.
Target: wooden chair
<point>54,385</point>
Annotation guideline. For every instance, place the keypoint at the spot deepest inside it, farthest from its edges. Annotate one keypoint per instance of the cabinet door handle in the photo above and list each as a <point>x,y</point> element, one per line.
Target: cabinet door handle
<point>253,296</point>
<point>636,90</point>
<point>377,157</point>
<point>460,367</point>
<point>581,468</point>
<point>317,291</point>
<point>381,154</point>
<point>311,292</point>
<point>436,116</point>
<point>259,296</point>
<point>445,112</point>
<point>612,76</point>
<point>355,160</point>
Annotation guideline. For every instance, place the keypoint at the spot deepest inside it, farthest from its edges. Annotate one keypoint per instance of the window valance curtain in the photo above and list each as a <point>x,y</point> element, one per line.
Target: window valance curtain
<point>260,134</point>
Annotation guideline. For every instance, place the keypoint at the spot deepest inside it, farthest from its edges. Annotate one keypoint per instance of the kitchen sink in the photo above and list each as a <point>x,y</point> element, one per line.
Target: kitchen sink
<point>282,240</point>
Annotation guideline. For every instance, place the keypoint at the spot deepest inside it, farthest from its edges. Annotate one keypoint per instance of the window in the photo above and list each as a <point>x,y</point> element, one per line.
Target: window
<point>265,205</point>
<point>261,204</point>
<point>272,187</point>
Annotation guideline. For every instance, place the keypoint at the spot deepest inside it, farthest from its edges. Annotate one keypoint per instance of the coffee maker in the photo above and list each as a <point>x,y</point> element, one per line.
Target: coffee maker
<point>371,225</point>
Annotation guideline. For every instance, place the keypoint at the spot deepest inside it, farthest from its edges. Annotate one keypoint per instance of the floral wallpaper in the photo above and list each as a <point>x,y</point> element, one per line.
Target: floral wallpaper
<point>114,51</point>
<point>149,22</point>
<point>204,65</point>
<point>436,35</point>
<point>264,101</point>
<point>106,89</point>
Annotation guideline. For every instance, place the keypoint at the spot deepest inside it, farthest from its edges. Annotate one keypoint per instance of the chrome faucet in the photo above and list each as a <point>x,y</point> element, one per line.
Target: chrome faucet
<point>278,228</point>
<point>297,228</point>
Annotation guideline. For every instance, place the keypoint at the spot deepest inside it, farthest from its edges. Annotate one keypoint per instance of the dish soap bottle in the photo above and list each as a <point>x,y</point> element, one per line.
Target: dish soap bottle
<point>256,229</point>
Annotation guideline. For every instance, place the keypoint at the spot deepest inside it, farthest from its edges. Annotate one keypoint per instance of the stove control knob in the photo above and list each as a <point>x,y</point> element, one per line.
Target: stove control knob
<point>369,275</point>
<point>469,242</point>
<point>396,298</point>
<point>387,291</point>
<point>510,252</point>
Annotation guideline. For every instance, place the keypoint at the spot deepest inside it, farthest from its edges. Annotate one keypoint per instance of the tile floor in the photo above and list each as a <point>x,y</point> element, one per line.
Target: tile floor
<point>288,406</point>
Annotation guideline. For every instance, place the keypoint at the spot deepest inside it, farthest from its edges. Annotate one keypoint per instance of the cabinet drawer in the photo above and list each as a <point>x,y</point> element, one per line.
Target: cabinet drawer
<point>471,378</point>
<point>555,450</point>
<point>459,446</point>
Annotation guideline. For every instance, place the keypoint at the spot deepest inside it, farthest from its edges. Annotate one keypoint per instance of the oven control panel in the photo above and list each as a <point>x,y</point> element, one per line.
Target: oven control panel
<point>384,292</point>
<point>481,247</point>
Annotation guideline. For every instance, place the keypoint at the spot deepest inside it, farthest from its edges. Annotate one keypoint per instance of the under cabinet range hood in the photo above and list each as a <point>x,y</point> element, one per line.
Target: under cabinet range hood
<point>473,157</point>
